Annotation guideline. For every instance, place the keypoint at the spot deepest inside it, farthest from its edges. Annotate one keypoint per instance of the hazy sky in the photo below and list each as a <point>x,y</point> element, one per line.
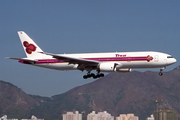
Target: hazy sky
<point>78,26</point>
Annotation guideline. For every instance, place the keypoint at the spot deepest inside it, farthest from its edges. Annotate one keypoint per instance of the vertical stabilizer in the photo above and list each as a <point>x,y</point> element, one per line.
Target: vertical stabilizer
<point>31,49</point>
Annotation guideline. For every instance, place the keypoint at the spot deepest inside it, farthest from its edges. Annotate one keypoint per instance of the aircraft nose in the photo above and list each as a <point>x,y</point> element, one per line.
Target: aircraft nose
<point>174,60</point>
<point>171,61</point>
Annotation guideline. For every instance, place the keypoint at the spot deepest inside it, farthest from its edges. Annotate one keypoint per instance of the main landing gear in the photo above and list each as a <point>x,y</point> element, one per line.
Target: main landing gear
<point>160,73</point>
<point>89,75</point>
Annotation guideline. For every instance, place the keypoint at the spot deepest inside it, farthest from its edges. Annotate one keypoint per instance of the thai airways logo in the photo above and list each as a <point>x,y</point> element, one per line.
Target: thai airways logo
<point>29,47</point>
<point>149,58</point>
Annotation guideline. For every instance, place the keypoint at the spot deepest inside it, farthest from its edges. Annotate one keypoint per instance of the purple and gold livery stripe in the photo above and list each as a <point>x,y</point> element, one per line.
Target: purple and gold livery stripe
<point>146,58</point>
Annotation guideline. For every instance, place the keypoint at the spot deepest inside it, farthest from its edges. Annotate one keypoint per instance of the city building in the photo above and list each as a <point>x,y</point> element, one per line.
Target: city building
<point>164,115</point>
<point>150,118</point>
<point>72,116</point>
<point>5,118</point>
<point>33,118</point>
<point>127,117</point>
<point>100,116</point>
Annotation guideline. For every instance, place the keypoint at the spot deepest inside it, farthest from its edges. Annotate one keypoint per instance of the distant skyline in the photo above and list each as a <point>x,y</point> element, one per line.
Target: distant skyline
<point>80,27</point>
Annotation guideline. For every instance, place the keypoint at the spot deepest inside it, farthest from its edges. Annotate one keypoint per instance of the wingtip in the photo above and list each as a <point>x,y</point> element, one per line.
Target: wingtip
<point>11,58</point>
<point>7,58</point>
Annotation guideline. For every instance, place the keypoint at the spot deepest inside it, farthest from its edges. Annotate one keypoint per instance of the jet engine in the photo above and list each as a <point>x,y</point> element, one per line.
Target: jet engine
<point>107,66</point>
<point>112,67</point>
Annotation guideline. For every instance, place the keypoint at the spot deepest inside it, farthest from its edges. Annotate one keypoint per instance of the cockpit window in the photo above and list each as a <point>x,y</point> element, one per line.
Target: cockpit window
<point>169,57</point>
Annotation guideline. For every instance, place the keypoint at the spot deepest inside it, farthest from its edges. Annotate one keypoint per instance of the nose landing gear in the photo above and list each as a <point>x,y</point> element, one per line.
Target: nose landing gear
<point>160,73</point>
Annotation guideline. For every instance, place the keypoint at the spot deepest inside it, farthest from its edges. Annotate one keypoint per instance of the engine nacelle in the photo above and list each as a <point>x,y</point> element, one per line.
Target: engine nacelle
<point>107,67</point>
<point>123,69</point>
<point>112,67</point>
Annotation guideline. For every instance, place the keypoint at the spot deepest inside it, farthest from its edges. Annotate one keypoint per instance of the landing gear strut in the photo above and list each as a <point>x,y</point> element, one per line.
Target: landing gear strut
<point>89,75</point>
<point>160,73</point>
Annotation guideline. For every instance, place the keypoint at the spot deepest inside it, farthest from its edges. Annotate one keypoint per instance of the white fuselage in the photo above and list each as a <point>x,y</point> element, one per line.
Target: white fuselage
<point>124,59</point>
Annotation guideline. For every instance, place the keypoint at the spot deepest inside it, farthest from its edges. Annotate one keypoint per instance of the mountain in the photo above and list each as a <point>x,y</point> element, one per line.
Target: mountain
<point>116,93</point>
<point>14,102</point>
<point>119,93</point>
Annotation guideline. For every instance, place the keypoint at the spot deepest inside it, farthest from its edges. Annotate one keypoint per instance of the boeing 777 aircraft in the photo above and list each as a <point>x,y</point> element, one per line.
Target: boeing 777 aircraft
<point>101,62</point>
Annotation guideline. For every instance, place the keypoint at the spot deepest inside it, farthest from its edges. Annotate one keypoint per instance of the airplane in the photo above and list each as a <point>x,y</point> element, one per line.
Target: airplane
<point>101,62</point>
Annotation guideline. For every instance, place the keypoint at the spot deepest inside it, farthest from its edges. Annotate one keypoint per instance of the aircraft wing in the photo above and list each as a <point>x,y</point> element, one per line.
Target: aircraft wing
<point>73,60</point>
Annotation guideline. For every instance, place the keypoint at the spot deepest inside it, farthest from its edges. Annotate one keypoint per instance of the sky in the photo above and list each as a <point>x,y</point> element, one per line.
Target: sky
<point>82,26</point>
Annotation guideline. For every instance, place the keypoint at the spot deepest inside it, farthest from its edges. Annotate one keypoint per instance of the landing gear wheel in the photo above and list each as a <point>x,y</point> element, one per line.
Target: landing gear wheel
<point>101,75</point>
<point>160,74</point>
<point>98,76</point>
<point>89,75</point>
<point>95,77</point>
<point>85,77</point>
<point>92,75</point>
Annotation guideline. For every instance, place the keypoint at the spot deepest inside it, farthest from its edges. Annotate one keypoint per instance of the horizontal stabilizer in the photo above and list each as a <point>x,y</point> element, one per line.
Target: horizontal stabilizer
<point>23,59</point>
